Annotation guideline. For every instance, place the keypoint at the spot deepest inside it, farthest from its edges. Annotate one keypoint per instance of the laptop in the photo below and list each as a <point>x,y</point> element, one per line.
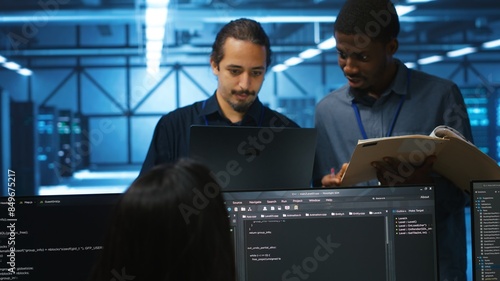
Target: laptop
<point>245,158</point>
<point>355,233</point>
<point>485,226</point>
<point>55,238</point>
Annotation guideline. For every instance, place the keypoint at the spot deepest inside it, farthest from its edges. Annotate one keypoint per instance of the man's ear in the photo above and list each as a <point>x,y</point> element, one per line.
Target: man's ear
<point>214,66</point>
<point>392,46</point>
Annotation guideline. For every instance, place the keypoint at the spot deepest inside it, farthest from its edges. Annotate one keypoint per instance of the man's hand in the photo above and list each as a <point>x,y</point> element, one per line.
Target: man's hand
<point>333,179</point>
<point>392,172</point>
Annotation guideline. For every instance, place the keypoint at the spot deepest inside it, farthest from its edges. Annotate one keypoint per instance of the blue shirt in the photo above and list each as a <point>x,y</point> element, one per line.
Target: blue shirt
<point>171,135</point>
<point>428,101</point>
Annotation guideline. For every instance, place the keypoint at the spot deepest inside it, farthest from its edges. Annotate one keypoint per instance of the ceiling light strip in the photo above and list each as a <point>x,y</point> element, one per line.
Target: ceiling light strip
<point>14,66</point>
<point>307,54</point>
<point>155,19</point>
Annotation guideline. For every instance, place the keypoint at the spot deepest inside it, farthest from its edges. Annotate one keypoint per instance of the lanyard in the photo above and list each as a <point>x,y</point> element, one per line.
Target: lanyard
<point>394,119</point>
<point>258,125</point>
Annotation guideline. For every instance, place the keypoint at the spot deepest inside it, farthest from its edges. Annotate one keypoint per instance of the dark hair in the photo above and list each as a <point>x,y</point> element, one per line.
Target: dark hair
<point>373,19</point>
<point>170,224</point>
<point>241,29</point>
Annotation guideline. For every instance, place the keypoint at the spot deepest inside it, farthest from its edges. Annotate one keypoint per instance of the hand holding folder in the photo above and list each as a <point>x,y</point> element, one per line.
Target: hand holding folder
<point>456,158</point>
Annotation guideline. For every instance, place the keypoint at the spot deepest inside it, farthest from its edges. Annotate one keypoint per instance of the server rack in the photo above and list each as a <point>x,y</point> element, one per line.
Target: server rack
<point>24,146</point>
<point>48,145</point>
<point>5,148</point>
<point>66,164</point>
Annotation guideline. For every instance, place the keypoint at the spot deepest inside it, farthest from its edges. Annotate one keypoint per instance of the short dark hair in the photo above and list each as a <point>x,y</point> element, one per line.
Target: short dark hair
<point>170,224</point>
<point>241,29</point>
<point>374,19</point>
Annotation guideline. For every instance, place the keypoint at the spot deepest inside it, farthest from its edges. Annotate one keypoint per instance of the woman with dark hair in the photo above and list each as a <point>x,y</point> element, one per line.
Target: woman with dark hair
<point>171,224</point>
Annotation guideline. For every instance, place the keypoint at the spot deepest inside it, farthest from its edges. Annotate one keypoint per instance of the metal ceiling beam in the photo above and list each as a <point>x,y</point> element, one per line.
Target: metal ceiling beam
<point>71,16</point>
<point>175,15</point>
<point>131,51</point>
<point>202,50</point>
<point>212,15</point>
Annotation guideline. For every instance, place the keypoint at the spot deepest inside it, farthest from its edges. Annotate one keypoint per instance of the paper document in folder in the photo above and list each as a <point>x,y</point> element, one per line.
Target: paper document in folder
<point>457,159</point>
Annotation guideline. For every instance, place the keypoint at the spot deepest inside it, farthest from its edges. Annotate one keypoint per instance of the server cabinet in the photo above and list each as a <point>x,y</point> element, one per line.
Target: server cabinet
<point>24,146</point>
<point>48,145</point>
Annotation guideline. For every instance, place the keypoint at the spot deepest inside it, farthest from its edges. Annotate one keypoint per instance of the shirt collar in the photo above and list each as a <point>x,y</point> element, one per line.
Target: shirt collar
<point>253,115</point>
<point>210,106</point>
<point>399,86</point>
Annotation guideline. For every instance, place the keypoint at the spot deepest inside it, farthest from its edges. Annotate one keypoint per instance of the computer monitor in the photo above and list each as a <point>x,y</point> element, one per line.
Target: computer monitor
<point>485,226</point>
<point>358,233</point>
<point>53,238</point>
<point>256,158</point>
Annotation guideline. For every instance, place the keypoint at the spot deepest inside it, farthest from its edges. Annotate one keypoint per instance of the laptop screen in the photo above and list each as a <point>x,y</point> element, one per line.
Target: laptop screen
<point>53,238</point>
<point>485,225</point>
<point>254,158</point>
<point>369,233</point>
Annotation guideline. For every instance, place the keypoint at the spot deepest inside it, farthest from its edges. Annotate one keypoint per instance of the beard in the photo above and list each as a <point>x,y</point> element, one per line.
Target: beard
<point>241,106</point>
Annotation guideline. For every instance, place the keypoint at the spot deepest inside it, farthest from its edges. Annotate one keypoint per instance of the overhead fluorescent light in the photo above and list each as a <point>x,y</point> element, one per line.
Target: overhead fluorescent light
<point>154,45</point>
<point>25,72</point>
<point>153,55</point>
<point>461,52</point>
<point>403,10</point>
<point>410,64</point>
<point>430,60</point>
<point>296,19</point>
<point>153,60</point>
<point>327,44</point>
<point>155,33</point>
<point>276,19</point>
<point>14,66</point>
<point>156,16</point>
<point>309,53</point>
<point>293,61</point>
<point>11,65</point>
<point>157,3</point>
<point>418,1</point>
<point>279,68</point>
<point>155,19</point>
<point>491,44</point>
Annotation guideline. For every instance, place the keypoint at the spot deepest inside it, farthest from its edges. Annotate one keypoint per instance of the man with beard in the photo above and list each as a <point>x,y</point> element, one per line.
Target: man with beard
<point>241,55</point>
<point>385,98</point>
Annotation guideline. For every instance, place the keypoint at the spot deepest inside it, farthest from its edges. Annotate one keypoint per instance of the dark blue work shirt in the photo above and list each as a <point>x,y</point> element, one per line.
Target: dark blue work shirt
<point>171,135</point>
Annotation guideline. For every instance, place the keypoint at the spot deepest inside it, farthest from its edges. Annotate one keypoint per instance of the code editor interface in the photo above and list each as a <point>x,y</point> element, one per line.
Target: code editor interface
<point>53,237</point>
<point>334,234</point>
<point>486,230</point>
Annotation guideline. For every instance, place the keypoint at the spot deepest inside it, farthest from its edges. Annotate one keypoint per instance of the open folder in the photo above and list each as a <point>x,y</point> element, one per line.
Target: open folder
<point>457,159</point>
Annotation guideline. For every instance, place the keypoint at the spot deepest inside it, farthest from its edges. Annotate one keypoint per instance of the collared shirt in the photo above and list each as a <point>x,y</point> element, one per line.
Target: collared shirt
<point>429,101</point>
<point>171,135</point>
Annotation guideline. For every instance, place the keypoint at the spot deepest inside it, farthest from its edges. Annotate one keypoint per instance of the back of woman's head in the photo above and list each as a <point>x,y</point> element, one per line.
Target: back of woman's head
<point>171,224</point>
